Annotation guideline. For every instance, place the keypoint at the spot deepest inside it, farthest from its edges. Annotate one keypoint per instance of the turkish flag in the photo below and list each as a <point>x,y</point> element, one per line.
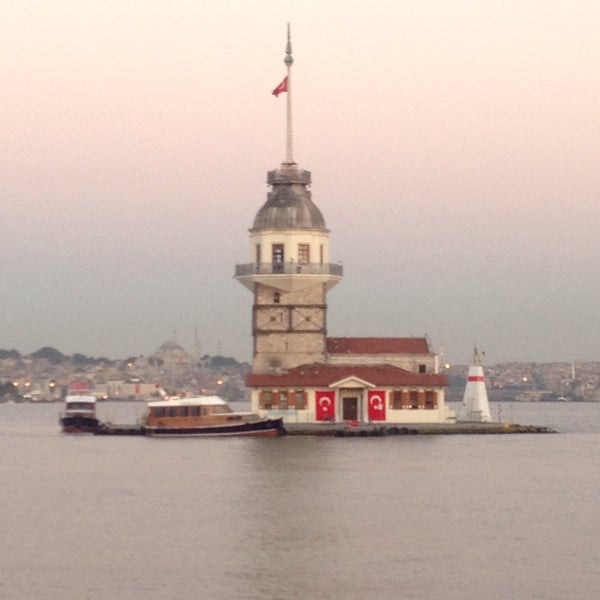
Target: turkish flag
<point>282,87</point>
<point>376,405</point>
<point>325,406</point>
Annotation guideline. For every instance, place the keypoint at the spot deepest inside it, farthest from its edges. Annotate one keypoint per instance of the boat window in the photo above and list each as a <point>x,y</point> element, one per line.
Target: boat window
<point>195,411</point>
<point>158,411</point>
<point>80,406</point>
<point>184,411</point>
<point>172,411</point>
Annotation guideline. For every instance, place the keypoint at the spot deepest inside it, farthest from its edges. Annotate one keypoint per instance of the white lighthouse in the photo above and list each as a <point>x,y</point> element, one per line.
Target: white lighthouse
<point>475,406</point>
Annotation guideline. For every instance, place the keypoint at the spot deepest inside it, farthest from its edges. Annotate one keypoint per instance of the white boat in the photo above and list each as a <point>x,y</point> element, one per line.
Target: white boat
<point>79,415</point>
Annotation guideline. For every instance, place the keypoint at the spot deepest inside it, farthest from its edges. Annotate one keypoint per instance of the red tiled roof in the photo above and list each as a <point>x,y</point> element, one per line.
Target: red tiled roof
<point>319,375</point>
<point>377,345</point>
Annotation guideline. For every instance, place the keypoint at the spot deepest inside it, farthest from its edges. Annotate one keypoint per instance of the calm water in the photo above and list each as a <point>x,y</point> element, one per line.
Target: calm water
<point>288,518</point>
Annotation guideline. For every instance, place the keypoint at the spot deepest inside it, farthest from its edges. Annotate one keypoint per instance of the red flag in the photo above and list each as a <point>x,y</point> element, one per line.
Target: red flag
<point>282,87</point>
<point>325,406</point>
<point>376,405</point>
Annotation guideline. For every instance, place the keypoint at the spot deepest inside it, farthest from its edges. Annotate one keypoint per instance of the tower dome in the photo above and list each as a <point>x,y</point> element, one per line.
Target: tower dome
<point>289,204</point>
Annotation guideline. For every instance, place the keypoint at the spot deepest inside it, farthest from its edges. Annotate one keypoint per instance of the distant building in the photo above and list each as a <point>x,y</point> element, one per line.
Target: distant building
<point>297,371</point>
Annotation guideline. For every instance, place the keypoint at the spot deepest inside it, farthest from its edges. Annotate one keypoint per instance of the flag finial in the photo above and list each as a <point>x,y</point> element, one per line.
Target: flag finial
<point>288,60</point>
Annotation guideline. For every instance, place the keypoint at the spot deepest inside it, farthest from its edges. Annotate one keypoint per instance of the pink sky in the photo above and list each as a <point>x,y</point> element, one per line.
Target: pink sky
<point>454,148</point>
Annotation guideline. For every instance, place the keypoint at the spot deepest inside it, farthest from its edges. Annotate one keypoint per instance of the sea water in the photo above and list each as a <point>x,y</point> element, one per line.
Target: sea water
<point>440,517</point>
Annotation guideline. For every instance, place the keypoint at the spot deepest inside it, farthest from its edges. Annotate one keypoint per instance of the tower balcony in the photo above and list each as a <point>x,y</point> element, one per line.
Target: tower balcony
<point>289,276</point>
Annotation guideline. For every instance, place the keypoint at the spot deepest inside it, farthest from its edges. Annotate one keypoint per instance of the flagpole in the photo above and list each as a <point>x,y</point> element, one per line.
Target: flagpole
<point>288,60</point>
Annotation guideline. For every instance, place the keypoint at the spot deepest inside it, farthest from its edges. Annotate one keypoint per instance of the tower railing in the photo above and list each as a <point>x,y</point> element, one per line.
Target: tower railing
<point>289,268</point>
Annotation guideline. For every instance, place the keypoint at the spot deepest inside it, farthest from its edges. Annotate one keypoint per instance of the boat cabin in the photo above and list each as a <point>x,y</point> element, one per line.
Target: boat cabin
<point>205,415</point>
<point>80,404</point>
<point>196,410</point>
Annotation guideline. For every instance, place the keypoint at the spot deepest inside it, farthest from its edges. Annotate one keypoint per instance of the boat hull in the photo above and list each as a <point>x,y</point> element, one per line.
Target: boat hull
<point>266,428</point>
<point>78,424</point>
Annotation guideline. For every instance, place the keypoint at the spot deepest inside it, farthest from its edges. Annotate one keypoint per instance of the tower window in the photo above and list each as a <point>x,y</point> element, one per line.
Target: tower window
<point>276,298</point>
<point>258,254</point>
<point>303,254</point>
<point>321,254</point>
<point>277,258</point>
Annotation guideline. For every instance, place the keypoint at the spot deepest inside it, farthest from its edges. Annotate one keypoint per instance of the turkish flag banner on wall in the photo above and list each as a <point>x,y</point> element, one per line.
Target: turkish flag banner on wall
<point>325,406</point>
<point>376,405</point>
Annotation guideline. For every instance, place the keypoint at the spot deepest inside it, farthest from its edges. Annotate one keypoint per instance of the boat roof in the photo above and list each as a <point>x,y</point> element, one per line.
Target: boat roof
<point>85,398</point>
<point>190,401</point>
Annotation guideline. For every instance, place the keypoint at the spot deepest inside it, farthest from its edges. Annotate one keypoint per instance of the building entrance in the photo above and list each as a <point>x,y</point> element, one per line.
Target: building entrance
<point>350,409</point>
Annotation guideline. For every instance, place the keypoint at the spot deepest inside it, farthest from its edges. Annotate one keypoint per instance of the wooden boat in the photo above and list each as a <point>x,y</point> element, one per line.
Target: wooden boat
<point>79,415</point>
<point>205,416</point>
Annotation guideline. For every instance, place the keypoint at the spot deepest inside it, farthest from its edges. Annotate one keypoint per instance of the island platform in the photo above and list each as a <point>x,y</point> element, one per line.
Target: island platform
<point>368,429</point>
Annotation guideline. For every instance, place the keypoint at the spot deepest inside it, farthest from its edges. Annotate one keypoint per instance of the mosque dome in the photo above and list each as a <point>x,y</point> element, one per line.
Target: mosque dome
<point>170,346</point>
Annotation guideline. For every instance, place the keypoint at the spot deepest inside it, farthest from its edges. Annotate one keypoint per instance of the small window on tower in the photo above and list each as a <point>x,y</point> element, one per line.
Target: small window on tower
<point>258,254</point>
<point>303,254</point>
<point>276,298</point>
<point>277,258</point>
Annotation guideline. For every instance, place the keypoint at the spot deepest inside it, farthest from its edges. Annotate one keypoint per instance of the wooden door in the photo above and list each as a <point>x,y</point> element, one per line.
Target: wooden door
<point>350,409</point>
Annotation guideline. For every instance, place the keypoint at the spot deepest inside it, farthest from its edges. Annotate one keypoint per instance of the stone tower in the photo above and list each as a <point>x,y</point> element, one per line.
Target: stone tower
<point>290,272</point>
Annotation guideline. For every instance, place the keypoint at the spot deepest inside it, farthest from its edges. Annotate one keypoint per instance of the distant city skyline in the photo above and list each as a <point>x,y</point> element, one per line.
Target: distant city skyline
<point>453,151</point>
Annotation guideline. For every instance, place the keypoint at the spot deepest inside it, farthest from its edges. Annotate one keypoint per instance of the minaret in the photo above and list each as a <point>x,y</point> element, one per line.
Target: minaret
<point>475,406</point>
<point>290,272</point>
